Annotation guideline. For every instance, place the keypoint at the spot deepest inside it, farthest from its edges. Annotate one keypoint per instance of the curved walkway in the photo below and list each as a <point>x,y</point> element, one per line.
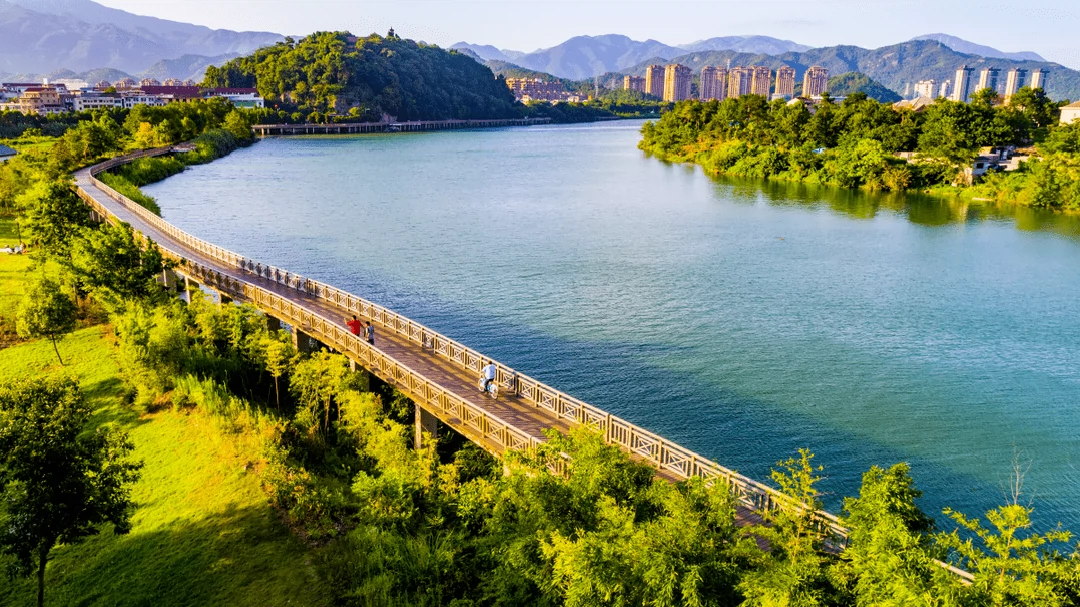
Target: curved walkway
<point>438,373</point>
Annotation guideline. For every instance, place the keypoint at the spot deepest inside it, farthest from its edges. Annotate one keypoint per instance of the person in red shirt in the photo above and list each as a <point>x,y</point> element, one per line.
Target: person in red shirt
<point>355,326</point>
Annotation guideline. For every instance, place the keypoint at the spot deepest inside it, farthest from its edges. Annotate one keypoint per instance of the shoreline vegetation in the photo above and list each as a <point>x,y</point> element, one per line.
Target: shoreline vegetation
<point>857,144</point>
<point>323,494</point>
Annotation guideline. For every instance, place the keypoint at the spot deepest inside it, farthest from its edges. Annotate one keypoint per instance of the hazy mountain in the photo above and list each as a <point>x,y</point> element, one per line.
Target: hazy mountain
<point>488,52</point>
<point>896,66</point>
<point>187,67</point>
<point>963,46</point>
<point>745,44</point>
<point>586,56</point>
<point>39,36</point>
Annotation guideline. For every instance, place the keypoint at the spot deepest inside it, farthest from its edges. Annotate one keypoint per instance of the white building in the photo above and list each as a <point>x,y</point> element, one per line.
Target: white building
<point>245,98</point>
<point>926,88</point>
<point>86,102</point>
<point>137,97</point>
<point>1070,113</point>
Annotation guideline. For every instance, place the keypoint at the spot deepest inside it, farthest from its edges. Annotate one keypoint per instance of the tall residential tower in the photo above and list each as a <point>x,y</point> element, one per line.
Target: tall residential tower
<point>677,79</point>
<point>761,81</point>
<point>815,82</point>
<point>962,84</point>
<point>785,82</point>
<point>654,81</point>
<point>1014,81</point>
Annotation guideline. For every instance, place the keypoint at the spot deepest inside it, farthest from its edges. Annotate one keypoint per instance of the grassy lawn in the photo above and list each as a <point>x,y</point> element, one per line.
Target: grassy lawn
<point>203,533</point>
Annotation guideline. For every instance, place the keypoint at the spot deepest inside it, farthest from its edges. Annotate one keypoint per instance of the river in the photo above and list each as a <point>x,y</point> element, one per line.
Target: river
<point>742,320</point>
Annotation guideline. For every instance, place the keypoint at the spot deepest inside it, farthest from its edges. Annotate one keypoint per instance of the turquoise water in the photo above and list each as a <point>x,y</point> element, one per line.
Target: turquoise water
<point>742,320</point>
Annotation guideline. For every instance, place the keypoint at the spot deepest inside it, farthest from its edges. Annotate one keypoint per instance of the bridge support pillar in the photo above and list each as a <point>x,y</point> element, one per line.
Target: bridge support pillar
<point>170,280</point>
<point>224,299</point>
<point>304,342</point>
<point>273,324</point>
<point>426,423</point>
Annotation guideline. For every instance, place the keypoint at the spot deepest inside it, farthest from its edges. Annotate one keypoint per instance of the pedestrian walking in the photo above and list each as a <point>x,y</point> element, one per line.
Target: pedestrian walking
<point>369,331</point>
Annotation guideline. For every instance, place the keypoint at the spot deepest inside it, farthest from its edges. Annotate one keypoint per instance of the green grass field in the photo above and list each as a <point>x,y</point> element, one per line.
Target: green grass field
<point>203,533</point>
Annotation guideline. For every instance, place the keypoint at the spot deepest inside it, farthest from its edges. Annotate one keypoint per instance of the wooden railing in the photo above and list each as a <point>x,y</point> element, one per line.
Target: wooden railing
<point>475,422</point>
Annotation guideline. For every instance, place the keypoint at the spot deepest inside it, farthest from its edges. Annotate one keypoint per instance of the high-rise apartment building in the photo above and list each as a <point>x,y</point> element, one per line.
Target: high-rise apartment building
<point>926,88</point>
<point>721,82</point>
<point>710,84</point>
<point>654,81</point>
<point>785,82</point>
<point>761,81</point>
<point>677,79</point>
<point>988,79</point>
<point>1014,81</point>
<point>946,88</point>
<point>1038,78</point>
<point>962,84</point>
<point>740,81</point>
<point>815,81</point>
<point>634,83</point>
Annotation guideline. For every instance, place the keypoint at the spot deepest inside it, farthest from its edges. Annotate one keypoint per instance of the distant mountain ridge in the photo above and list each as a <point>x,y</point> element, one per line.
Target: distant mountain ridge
<point>963,46</point>
<point>583,57</point>
<point>44,36</point>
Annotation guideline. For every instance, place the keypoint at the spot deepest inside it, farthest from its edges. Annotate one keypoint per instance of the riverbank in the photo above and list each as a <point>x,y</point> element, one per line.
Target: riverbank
<point>208,147</point>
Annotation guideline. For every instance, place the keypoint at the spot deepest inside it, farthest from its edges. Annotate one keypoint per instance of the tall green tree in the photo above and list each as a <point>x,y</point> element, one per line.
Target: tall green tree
<point>117,268</point>
<point>52,216</point>
<point>58,483</point>
<point>46,312</point>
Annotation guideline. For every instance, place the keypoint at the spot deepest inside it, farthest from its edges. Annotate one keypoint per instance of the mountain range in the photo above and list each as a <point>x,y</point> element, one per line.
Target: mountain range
<point>584,57</point>
<point>963,46</point>
<point>38,37</point>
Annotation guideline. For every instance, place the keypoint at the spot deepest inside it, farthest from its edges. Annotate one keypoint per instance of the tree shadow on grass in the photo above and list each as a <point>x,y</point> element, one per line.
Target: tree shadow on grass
<point>242,556</point>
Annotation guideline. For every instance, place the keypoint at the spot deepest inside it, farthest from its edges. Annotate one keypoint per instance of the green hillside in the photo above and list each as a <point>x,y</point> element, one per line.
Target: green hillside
<point>336,72</point>
<point>894,66</point>
<point>857,82</point>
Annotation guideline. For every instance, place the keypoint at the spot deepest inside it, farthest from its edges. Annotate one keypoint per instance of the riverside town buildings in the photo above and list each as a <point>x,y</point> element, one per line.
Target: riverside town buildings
<point>634,83</point>
<point>654,81</point>
<point>536,89</point>
<point>56,98</point>
<point>785,83</point>
<point>677,80</point>
<point>815,82</point>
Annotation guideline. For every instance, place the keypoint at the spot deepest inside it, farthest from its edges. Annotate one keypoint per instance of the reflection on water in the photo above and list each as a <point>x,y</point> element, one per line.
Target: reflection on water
<point>918,208</point>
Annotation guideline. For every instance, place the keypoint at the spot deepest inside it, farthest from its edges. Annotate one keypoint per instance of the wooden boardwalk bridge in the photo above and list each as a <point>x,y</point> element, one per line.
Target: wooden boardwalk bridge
<point>436,372</point>
<point>352,128</point>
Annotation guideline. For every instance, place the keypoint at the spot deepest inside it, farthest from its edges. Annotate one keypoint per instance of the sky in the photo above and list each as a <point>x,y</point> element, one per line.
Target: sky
<point>1047,27</point>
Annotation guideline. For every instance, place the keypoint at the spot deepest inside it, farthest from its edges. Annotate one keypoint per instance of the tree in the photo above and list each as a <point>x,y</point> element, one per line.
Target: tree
<point>280,355</point>
<point>46,311</point>
<point>889,555</point>
<point>53,215</point>
<point>58,484</point>
<point>115,267</point>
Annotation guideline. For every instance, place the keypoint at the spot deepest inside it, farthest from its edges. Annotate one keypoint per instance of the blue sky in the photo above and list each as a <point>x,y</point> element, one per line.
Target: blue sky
<point>1047,27</point>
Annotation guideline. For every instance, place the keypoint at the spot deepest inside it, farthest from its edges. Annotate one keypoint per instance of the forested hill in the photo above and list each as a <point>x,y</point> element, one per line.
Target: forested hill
<point>895,66</point>
<point>367,78</point>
